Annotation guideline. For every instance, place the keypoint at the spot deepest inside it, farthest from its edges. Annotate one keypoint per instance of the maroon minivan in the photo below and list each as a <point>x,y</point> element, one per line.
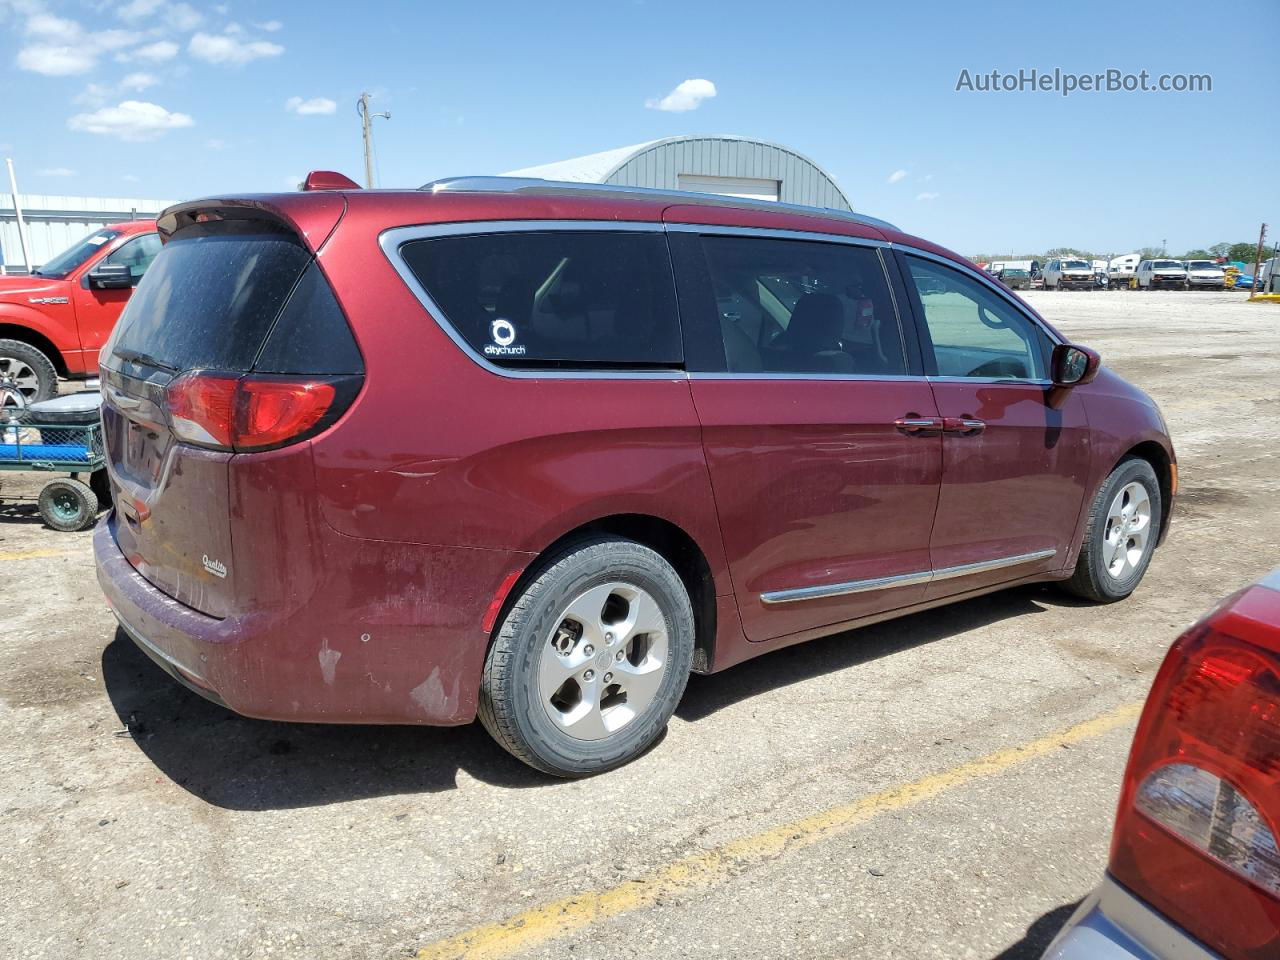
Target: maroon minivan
<point>535,451</point>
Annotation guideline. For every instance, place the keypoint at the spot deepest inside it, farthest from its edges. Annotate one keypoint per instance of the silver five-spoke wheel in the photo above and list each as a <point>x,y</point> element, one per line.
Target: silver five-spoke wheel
<point>604,661</point>
<point>1128,530</point>
<point>18,375</point>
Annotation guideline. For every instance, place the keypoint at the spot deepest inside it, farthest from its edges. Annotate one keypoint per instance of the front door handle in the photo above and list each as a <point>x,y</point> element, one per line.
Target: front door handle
<point>914,426</point>
<point>965,426</point>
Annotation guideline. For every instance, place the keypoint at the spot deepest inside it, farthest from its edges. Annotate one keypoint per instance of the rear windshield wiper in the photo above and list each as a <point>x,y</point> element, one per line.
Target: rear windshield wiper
<point>137,356</point>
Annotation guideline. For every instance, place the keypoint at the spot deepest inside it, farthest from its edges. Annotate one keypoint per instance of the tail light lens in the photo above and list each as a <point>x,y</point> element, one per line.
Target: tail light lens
<point>1199,811</point>
<point>254,413</point>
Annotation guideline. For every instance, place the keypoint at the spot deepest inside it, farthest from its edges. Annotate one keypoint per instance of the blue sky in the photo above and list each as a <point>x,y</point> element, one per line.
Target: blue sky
<point>171,100</point>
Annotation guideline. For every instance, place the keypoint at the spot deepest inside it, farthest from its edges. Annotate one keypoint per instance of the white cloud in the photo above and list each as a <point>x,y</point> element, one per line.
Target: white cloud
<point>927,196</point>
<point>271,26</point>
<point>56,61</point>
<point>47,25</point>
<point>306,108</point>
<point>183,17</point>
<point>687,95</point>
<point>94,95</point>
<point>156,52</point>
<point>56,172</point>
<point>225,49</point>
<point>139,81</point>
<point>113,39</point>
<point>137,9</point>
<point>133,120</point>
<point>897,175</point>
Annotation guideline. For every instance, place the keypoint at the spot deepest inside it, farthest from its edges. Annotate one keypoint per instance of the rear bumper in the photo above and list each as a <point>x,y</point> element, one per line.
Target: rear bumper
<point>339,655</point>
<point>1113,924</point>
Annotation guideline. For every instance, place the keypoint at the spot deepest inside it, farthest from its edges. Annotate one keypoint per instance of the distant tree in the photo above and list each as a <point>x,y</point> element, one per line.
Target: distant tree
<point>1150,253</point>
<point>1197,255</point>
<point>1220,249</point>
<point>1068,252</point>
<point>1243,252</point>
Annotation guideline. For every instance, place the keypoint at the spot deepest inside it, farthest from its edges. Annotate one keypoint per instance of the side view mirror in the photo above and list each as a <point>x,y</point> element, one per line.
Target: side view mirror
<point>1074,366</point>
<point>111,276</point>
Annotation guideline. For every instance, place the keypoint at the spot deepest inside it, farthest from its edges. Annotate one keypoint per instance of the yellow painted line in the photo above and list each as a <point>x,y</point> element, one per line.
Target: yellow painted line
<point>536,926</point>
<point>36,554</point>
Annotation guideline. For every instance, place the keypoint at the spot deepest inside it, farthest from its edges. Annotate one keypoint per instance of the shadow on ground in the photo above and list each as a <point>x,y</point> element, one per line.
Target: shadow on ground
<point>245,764</point>
<point>1039,934</point>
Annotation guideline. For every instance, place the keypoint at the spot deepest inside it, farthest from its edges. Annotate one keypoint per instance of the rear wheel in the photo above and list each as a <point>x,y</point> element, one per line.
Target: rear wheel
<point>591,659</point>
<point>28,371</point>
<point>1120,536</point>
<point>68,505</point>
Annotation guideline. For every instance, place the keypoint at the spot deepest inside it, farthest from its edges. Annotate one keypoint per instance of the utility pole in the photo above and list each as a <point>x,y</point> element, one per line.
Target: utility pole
<point>17,212</point>
<point>1257,262</point>
<point>366,122</point>
<point>1164,249</point>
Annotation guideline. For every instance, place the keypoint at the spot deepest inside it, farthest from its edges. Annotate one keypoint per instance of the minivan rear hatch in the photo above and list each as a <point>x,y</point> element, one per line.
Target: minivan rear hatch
<point>225,303</point>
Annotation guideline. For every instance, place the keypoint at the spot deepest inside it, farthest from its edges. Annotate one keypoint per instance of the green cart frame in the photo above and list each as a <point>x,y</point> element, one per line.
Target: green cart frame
<point>65,503</point>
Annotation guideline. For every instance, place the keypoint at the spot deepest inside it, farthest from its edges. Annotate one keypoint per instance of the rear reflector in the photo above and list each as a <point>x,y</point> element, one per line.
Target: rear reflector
<point>248,413</point>
<point>1197,823</point>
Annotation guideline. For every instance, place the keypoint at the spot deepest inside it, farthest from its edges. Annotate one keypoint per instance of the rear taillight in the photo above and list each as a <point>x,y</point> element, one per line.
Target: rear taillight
<point>1197,824</point>
<point>253,413</point>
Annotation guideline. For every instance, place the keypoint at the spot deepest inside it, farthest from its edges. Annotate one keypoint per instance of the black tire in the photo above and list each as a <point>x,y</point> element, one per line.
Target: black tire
<point>68,505</point>
<point>1091,579</point>
<point>511,706</point>
<point>100,484</point>
<point>14,353</point>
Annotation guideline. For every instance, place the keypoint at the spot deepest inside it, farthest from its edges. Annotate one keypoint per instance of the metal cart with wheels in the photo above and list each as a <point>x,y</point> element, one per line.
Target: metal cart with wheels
<point>29,444</point>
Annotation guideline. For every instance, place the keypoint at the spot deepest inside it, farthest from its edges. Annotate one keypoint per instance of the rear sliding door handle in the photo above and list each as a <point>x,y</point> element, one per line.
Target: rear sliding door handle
<point>966,426</point>
<point>913,426</point>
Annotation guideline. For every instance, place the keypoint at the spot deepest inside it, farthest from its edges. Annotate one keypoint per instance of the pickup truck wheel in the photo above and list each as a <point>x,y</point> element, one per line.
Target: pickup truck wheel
<point>27,370</point>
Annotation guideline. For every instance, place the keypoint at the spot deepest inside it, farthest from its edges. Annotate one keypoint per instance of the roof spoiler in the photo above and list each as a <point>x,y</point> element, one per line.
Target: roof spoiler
<point>328,180</point>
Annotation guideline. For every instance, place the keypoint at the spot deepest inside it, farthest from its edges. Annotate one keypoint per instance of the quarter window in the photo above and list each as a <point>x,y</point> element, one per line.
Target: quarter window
<point>974,331</point>
<point>796,306</point>
<point>555,299</point>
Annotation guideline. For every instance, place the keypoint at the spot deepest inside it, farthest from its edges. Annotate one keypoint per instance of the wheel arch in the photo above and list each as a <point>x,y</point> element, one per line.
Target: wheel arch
<point>1162,463</point>
<point>33,337</point>
<point>669,540</point>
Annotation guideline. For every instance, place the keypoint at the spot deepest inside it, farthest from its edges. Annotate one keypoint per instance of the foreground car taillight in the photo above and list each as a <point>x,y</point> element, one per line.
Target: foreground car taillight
<point>1197,824</point>
<point>253,413</point>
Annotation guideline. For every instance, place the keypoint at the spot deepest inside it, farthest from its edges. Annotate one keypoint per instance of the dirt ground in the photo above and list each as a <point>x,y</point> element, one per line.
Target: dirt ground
<point>939,786</point>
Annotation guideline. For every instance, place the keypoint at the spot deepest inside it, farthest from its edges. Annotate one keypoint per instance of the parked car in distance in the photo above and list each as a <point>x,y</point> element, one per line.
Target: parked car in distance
<point>1067,274</point>
<point>1161,275</point>
<point>536,451</point>
<point>1194,869</point>
<point>1205,275</point>
<point>1015,278</point>
<point>53,322</point>
<point>1269,276</point>
<point>1121,271</point>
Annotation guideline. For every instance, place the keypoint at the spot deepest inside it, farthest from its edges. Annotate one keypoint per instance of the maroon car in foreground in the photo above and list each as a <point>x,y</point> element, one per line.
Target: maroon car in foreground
<point>1195,869</point>
<point>535,451</point>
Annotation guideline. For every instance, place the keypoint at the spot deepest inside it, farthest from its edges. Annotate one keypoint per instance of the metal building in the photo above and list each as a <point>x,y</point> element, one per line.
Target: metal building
<point>55,223</point>
<point>723,165</point>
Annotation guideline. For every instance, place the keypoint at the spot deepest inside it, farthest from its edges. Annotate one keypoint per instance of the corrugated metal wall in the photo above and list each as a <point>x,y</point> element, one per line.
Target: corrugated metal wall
<point>661,165</point>
<point>55,223</point>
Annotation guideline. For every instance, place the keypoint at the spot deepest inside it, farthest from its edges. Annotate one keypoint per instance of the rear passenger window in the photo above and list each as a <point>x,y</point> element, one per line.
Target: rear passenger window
<point>555,299</point>
<point>796,306</point>
<point>974,331</point>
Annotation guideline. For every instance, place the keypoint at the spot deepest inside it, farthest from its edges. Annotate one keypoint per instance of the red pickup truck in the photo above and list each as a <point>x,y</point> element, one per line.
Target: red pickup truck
<point>53,322</point>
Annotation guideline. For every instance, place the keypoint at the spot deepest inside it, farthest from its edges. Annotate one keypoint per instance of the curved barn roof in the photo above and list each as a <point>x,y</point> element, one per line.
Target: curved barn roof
<point>702,154</point>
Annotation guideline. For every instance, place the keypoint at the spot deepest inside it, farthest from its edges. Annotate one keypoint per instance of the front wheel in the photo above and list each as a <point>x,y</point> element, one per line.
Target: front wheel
<point>25,370</point>
<point>590,660</point>
<point>1120,536</point>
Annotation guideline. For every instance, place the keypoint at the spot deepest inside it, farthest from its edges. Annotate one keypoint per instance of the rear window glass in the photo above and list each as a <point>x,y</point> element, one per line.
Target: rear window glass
<point>555,299</point>
<point>208,301</point>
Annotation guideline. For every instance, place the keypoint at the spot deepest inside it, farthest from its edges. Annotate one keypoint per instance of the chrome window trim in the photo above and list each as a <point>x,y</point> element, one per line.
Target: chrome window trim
<point>986,281</point>
<point>901,580</point>
<point>815,375</point>
<point>392,239</point>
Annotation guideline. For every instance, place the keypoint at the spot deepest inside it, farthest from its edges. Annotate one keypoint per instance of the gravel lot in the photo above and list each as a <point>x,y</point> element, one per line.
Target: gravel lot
<point>823,801</point>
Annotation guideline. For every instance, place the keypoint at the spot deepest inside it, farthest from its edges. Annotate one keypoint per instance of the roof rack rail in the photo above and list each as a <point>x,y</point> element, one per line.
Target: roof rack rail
<point>550,188</point>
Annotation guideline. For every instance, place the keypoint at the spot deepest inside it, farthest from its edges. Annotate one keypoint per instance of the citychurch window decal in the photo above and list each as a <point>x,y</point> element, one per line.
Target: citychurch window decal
<point>503,334</point>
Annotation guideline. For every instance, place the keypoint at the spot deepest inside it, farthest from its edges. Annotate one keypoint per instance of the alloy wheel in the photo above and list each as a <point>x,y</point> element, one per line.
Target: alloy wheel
<point>1128,531</point>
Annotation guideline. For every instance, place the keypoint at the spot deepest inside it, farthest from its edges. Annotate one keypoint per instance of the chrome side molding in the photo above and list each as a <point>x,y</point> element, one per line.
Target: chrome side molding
<point>901,580</point>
